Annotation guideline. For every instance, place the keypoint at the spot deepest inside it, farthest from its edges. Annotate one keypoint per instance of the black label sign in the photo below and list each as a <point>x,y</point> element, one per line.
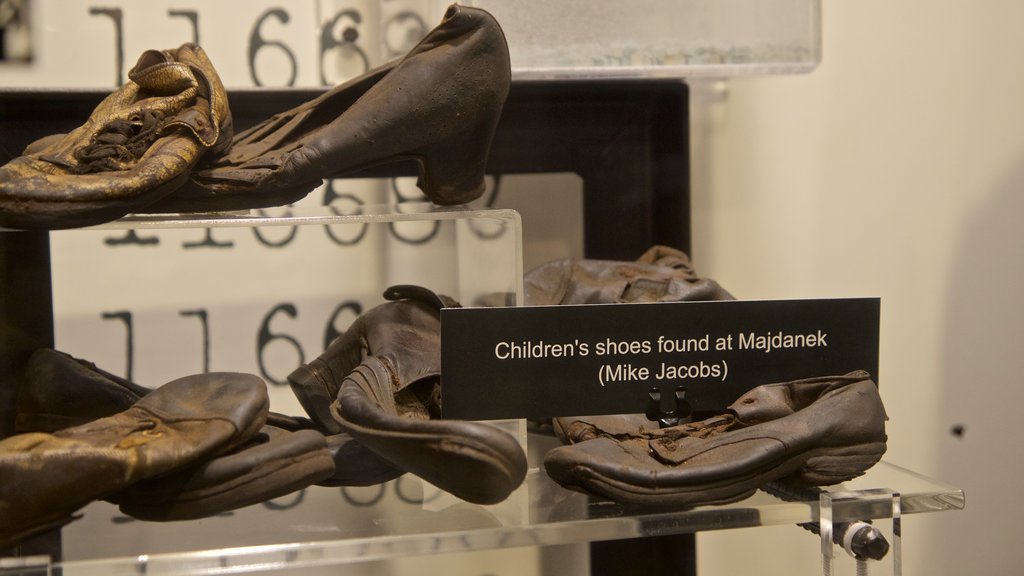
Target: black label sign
<point>544,361</point>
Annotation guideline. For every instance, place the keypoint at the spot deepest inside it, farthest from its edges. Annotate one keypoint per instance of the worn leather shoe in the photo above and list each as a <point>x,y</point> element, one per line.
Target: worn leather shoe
<point>661,274</point>
<point>47,477</point>
<point>439,106</point>
<point>61,391</point>
<point>274,463</point>
<point>138,145</point>
<point>818,431</point>
<point>385,375</point>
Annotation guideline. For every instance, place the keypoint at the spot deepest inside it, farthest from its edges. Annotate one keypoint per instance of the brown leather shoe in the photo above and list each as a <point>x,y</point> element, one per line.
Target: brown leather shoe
<point>47,477</point>
<point>439,106</point>
<point>63,391</point>
<point>385,374</point>
<point>818,431</point>
<point>274,463</point>
<point>60,391</point>
<point>138,145</point>
<point>661,274</point>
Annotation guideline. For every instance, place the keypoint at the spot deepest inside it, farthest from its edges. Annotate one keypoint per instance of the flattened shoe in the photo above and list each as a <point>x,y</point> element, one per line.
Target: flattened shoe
<point>61,391</point>
<point>138,145</point>
<point>274,463</point>
<point>385,374</point>
<point>818,431</point>
<point>661,274</point>
<point>439,105</point>
<point>47,477</point>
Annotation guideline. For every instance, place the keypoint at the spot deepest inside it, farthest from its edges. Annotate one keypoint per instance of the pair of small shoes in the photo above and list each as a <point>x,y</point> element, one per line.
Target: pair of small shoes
<point>380,383</point>
<point>283,454</point>
<point>811,432</point>
<point>47,477</point>
<point>163,142</point>
<point>374,393</point>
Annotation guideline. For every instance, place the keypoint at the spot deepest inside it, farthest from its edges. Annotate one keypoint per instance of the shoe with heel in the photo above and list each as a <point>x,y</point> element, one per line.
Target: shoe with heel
<point>438,106</point>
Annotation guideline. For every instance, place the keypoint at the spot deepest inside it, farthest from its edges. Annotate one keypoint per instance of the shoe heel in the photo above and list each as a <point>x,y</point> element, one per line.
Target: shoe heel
<point>452,177</point>
<point>835,465</point>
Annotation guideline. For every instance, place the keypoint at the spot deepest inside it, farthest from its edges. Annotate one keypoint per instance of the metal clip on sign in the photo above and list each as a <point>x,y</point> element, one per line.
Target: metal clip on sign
<point>679,414</point>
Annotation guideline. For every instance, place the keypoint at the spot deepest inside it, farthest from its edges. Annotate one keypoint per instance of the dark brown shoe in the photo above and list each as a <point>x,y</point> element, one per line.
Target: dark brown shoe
<point>439,106</point>
<point>47,477</point>
<point>385,374</point>
<point>61,391</point>
<point>139,145</point>
<point>818,431</point>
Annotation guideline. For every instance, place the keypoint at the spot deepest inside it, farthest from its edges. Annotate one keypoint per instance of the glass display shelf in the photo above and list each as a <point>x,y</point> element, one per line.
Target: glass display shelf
<point>156,297</point>
<point>332,526</point>
<point>322,215</point>
<point>663,38</point>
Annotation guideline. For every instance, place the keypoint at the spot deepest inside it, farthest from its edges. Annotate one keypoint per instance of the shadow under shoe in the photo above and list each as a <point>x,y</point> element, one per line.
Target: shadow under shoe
<point>385,374</point>
<point>139,144</point>
<point>818,431</point>
<point>47,477</point>
<point>439,106</point>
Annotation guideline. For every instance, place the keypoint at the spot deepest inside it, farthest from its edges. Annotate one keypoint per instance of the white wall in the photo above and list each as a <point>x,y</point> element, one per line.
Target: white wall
<point>895,170</point>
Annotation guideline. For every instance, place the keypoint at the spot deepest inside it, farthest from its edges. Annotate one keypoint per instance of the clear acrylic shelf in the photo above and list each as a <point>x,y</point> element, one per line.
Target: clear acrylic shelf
<point>155,297</point>
<point>331,526</point>
<point>318,215</point>
<point>661,38</point>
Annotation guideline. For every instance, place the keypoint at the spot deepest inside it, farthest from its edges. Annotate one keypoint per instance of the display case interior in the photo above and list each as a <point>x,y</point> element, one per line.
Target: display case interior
<point>265,291</point>
<point>120,313</point>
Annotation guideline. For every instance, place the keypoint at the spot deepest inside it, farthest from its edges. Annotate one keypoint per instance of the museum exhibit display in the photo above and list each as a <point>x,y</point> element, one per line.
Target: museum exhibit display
<point>225,280</point>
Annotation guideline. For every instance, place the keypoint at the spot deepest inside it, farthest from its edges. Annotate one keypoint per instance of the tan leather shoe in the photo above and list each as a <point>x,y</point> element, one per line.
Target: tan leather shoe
<point>138,145</point>
<point>61,391</point>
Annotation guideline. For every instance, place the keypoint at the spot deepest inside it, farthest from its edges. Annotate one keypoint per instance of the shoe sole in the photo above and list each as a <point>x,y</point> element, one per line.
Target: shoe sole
<point>817,467</point>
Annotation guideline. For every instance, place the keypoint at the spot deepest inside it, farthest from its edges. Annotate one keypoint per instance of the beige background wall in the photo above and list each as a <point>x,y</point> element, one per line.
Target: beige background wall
<point>895,169</point>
